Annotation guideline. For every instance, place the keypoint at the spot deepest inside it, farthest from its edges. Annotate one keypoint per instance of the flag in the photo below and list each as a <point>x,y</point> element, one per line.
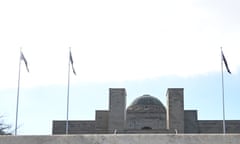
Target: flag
<point>225,62</point>
<point>25,61</point>
<point>71,61</point>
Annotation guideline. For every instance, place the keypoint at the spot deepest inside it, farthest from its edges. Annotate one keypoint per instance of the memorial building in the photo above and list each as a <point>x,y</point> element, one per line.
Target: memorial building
<point>146,114</point>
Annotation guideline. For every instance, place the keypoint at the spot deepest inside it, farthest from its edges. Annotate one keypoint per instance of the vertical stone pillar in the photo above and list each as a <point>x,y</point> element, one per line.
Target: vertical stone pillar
<point>117,108</point>
<point>175,109</point>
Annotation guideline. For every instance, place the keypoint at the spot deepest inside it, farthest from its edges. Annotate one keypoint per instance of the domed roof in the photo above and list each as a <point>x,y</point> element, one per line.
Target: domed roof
<point>146,100</point>
<point>146,103</point>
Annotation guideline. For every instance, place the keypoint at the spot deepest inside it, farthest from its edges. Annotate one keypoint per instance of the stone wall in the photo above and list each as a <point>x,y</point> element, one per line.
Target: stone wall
<point>124,139</point>
<point>216,126</point>
<point>190,121</point>
<point>139,120</point>
<point>101,118</point>
<point>75,127</point>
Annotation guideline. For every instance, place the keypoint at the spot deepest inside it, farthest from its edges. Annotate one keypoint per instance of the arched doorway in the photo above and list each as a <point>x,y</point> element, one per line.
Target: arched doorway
<point>146,128</point>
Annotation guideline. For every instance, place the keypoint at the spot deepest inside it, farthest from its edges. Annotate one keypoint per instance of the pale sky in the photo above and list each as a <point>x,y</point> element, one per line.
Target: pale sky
<point>114,44</point>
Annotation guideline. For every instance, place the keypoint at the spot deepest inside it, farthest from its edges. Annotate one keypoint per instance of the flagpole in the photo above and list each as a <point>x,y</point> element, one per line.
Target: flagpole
<point>67,124</point>
<point>223,103</point>
<point>18,89</point>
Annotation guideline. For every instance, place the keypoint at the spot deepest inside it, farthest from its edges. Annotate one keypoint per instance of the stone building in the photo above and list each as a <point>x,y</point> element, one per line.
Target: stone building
<point>146,114</point>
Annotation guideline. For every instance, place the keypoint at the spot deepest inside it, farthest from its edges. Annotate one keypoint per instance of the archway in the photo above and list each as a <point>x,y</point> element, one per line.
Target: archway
<point>146,128</point>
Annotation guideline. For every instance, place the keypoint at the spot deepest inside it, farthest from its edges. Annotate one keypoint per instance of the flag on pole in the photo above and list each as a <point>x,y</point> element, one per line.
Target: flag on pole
<point>71,61</point>
<point>225,62</point>
<point>22,57</point>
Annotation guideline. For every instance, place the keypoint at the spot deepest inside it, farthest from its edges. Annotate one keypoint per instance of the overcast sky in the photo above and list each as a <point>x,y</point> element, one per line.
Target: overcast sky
<point>114,43</point>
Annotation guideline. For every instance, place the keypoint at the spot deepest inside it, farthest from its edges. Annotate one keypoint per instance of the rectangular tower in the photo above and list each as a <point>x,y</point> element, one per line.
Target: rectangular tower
<point>175,109</point>
<point>117,108</point>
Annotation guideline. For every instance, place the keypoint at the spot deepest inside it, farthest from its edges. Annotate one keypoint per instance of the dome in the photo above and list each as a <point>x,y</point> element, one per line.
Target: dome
<point>146,100</point>
<point>146,103</point>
